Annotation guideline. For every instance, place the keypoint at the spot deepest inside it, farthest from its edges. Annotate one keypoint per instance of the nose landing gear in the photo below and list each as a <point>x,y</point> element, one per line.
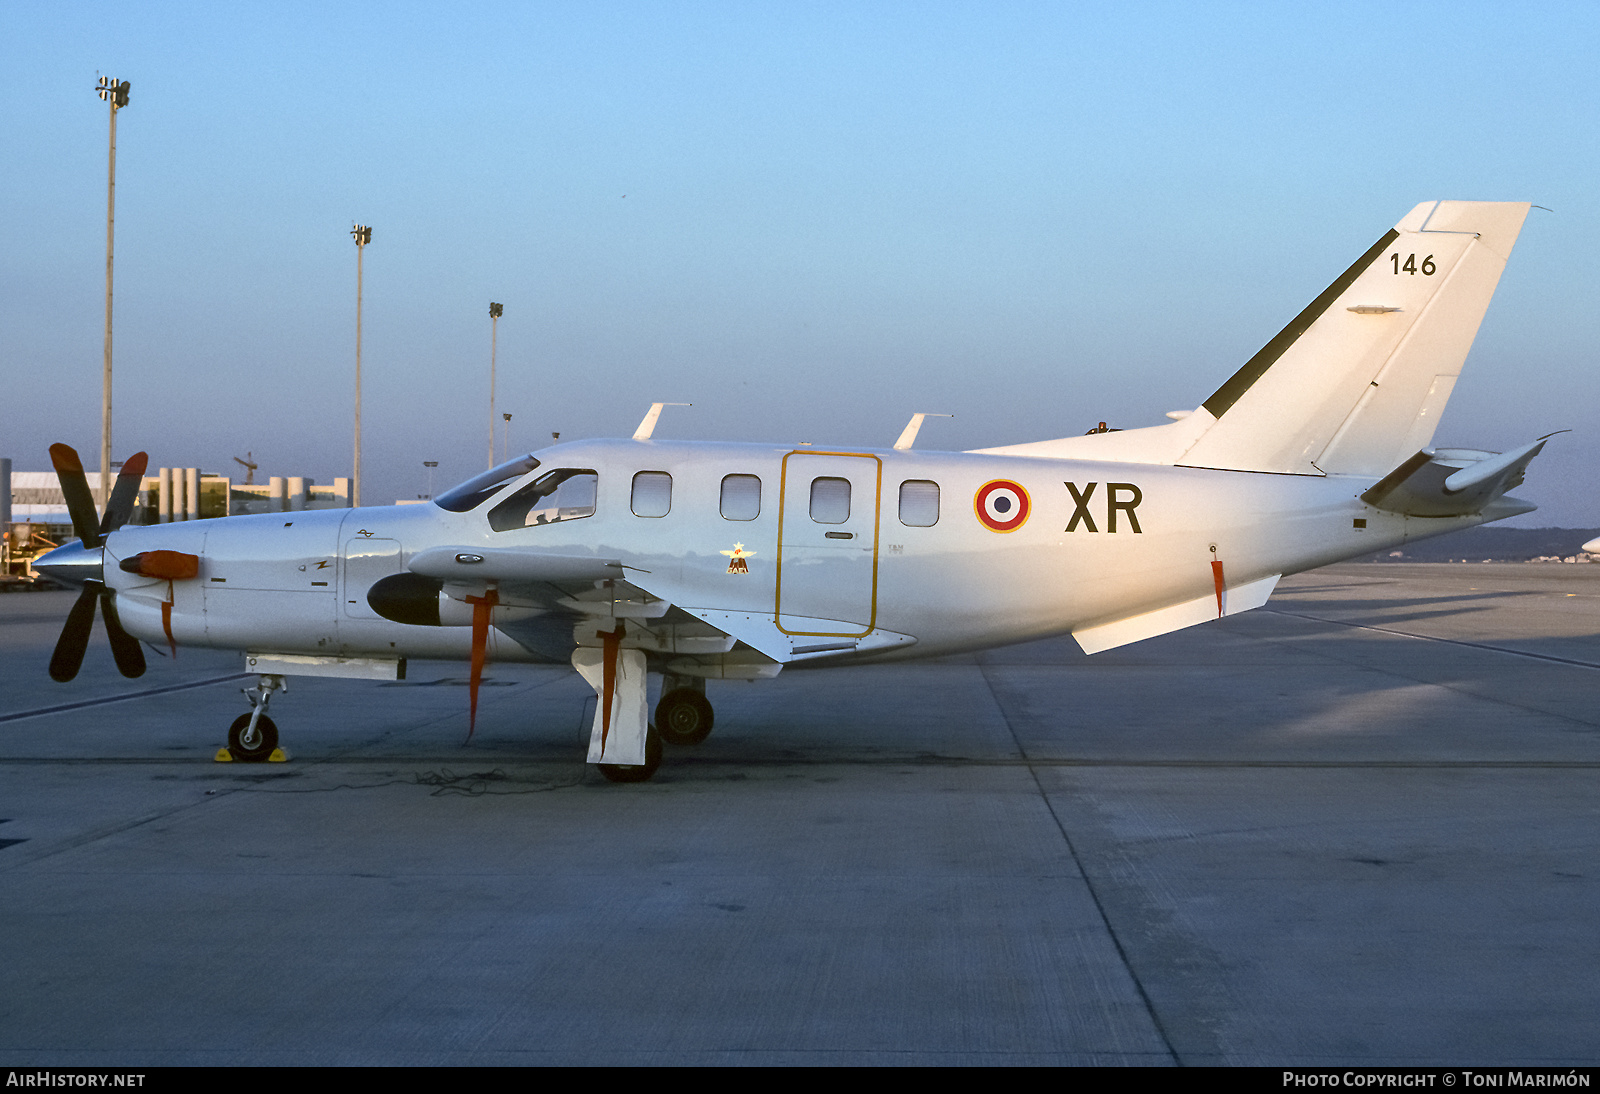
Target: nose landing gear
<point>253,737</point>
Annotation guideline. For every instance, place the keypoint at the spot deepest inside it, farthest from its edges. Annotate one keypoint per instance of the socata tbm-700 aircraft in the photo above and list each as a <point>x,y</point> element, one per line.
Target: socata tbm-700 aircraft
<point>736,561</point>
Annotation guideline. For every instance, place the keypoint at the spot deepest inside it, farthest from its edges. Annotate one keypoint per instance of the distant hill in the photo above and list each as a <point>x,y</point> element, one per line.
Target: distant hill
<point>1491,543</point>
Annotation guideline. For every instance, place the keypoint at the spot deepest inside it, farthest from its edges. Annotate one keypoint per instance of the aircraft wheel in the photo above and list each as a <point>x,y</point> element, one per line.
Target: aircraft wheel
<point>637,773</point>
<point>261,743</point>
<point>684,717</point>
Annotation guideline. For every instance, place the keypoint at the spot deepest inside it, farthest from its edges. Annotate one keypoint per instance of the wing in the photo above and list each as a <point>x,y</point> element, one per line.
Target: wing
<point>550,604</point>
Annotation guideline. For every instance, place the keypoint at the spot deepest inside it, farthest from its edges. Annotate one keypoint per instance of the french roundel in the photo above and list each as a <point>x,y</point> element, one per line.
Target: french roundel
<point>1002,505</point>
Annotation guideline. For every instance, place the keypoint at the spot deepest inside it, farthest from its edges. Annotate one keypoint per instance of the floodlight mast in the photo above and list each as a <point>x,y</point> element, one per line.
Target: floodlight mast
<point>362,234</point>
<point>495,311</point>
<point>115,92</point>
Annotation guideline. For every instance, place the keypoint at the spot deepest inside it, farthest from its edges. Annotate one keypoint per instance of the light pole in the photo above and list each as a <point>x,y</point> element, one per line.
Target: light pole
<point>506,447</point>
<point>114,92</point>
<point>362,235</point>
<point>430,465</point>
<point>494,335</point>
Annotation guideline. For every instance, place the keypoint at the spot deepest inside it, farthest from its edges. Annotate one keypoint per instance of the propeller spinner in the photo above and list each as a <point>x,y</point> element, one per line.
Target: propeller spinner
<point>83,564</point>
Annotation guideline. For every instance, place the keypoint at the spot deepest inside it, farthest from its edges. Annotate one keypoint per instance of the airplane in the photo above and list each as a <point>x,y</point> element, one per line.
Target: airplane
<point>735,561</point>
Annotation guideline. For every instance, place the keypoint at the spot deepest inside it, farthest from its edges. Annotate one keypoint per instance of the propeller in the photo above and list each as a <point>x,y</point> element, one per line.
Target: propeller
<point>85,564</point>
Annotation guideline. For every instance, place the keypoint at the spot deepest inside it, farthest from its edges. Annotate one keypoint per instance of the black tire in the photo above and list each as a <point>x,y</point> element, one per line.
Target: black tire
<point>683,717</point>
<point>257,751</point>
<point>637,773</point>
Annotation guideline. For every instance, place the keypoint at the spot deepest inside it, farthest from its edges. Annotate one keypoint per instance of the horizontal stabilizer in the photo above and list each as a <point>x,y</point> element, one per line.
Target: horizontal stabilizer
<point>1451,482</point>
<point>1476,475</point>
<point>1240,598</point>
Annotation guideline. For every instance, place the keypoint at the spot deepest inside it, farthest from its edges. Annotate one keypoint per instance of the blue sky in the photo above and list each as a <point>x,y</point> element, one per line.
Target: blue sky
<point>808,220</point>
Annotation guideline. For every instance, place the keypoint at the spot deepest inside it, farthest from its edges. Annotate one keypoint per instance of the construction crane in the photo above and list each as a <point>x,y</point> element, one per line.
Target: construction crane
<point>249,468</point>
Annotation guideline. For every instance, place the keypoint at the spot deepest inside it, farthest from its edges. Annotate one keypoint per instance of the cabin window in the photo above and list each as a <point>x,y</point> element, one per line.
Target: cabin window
<point>741,497</point>
<point>652,494</point>
<point>564,494</point>
<point>919,503</point>
<point>830,500</point>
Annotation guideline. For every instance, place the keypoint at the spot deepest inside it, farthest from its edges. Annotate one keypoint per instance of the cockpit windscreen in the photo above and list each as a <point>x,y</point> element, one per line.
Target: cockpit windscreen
<point>478,489</point>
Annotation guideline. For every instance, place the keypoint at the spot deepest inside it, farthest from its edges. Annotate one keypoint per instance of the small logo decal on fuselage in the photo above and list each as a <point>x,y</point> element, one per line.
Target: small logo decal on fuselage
<point>1002,505</point>
<point>736,559</point>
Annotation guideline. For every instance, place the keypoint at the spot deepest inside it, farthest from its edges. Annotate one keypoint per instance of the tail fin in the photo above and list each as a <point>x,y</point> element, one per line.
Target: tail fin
<point>1358,380</point>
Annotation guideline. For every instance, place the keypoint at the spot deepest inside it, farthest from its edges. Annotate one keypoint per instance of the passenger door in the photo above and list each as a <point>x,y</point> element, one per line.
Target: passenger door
<point>828,544</point>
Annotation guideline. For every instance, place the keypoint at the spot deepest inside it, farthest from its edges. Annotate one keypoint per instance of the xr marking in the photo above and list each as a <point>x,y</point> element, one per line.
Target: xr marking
<point>1114,503</point>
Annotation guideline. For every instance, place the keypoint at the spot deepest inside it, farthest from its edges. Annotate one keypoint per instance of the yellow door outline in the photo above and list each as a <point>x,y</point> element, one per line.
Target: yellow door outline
<point>877,517</point>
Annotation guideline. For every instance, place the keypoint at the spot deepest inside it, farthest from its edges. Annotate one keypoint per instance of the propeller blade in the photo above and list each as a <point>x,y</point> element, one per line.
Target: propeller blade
<point>74,640</point>
<point>124,494</point>
<point>124,646</point>
<point>80,502</point>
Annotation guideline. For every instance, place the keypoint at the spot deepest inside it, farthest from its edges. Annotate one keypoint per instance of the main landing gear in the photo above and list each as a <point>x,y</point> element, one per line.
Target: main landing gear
<point>253,737</point>
<point>637,773</point>
<point>683,717</point>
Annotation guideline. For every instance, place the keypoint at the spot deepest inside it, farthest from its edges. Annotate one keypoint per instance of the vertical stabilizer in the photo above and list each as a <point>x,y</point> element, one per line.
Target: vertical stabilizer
<point>1358,380</point>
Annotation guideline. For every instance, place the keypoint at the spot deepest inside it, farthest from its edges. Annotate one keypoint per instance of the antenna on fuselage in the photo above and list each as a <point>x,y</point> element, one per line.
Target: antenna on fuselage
<point>648,425</point>
<point>908,436</point>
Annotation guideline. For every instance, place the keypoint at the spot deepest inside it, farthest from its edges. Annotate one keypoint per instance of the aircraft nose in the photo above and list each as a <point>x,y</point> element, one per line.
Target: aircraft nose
<point>73,564</point>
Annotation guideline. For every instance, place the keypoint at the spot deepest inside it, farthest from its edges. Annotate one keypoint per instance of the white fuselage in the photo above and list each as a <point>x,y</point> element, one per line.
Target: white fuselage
<point>1100,541</point>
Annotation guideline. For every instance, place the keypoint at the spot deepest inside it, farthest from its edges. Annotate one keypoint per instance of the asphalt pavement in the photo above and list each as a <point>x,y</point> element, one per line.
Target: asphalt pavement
<point>1356,827</point>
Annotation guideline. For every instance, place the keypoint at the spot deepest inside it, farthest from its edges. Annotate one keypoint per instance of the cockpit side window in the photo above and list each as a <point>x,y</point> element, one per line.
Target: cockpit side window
<point>480,488</point>
<point>564,494</point>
